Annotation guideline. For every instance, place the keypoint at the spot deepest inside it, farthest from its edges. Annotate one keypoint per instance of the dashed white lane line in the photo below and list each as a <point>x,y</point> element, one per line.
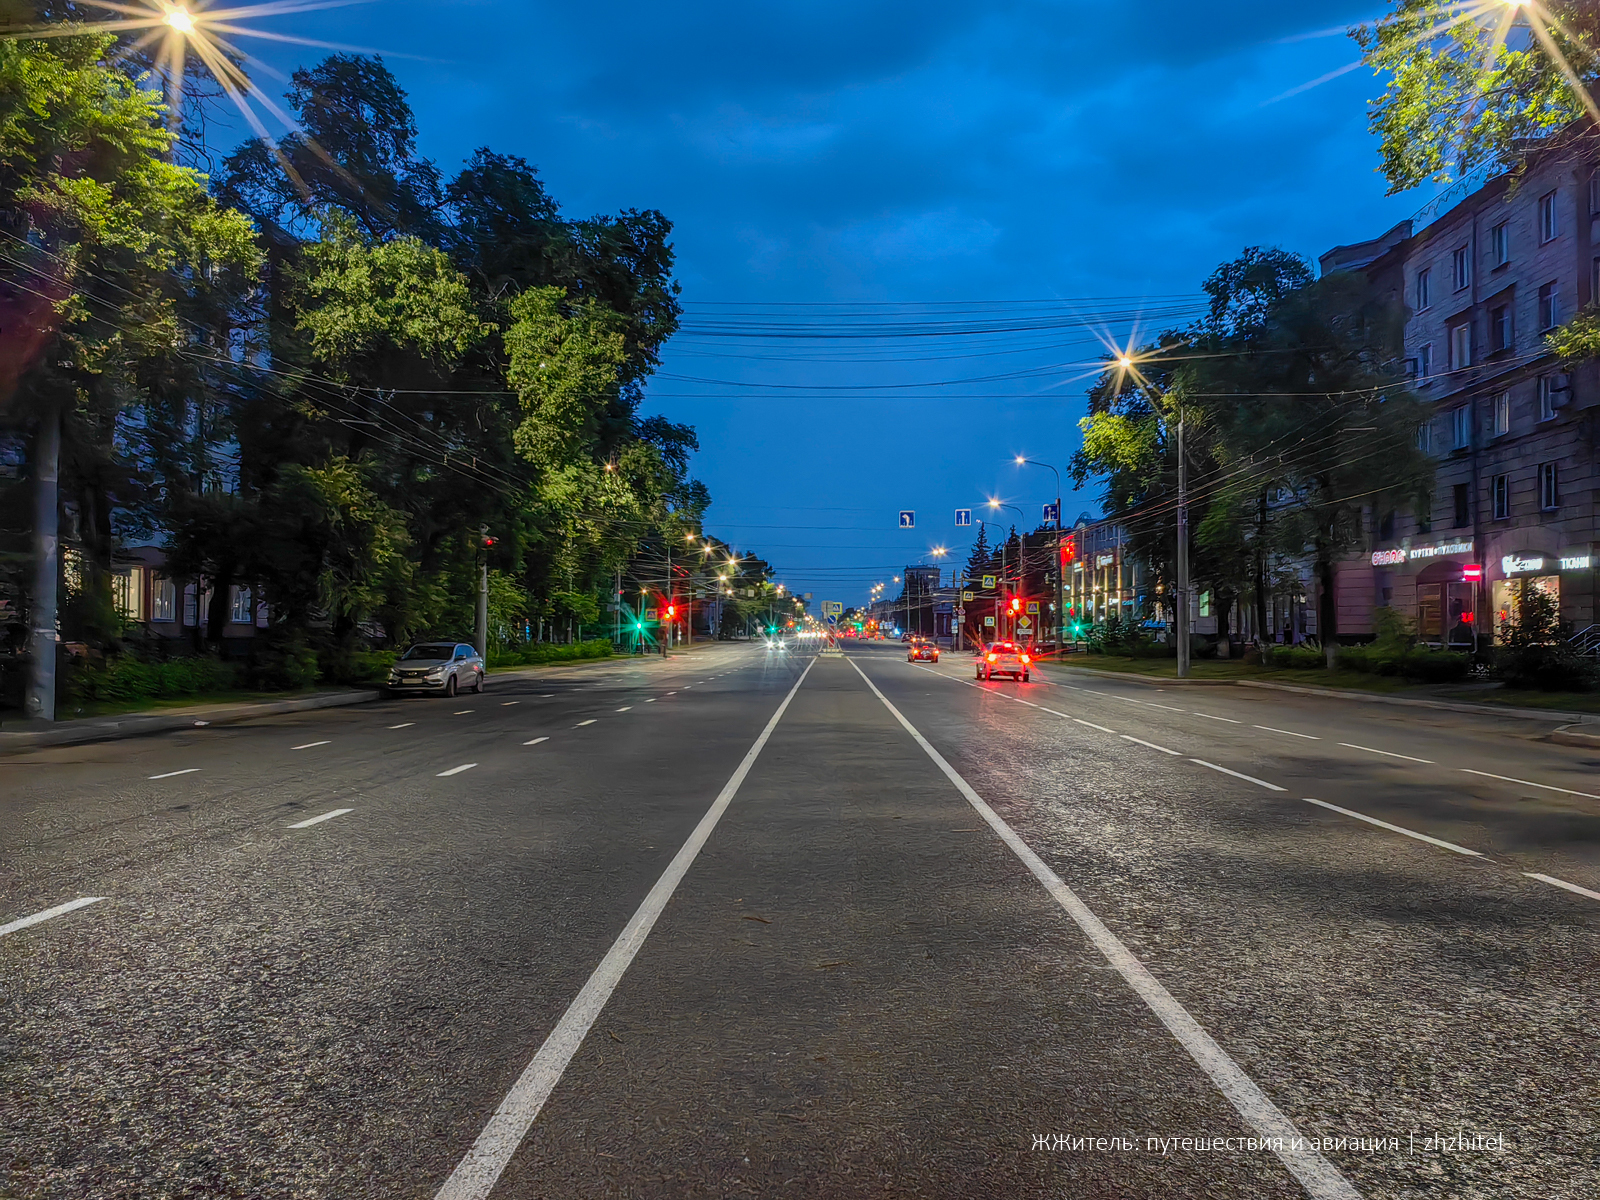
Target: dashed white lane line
<point>461,712</point>
<point>327,816</point>
<point>672,693</point>
<point>1271,787</point>
<point>581,724</point>
<point>626,708</point>
<point>1310,737</point>
<point>1386,753</point>
<point>1168,707</point>
<point>546,695</point>
<point>58,910</point>
<point>1316,1174</point>
<point>1130,738</point>
<point>455,770</point>
<point>1529,783</point>
<point>310,745</point>
<point>170,774</point>
<point>1550,879</point>
<point>475,1176</point>
<point>1209,717</point>
<point>536,741</point>
<point>509,703</point>
<point>403,725</point>
<point>1410,833</point>
<point>1080,721</point>
<point>650,700</point>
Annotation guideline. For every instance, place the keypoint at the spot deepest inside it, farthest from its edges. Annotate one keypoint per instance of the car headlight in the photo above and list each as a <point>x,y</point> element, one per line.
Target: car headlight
<point>436,673</point>
<point>394,676</point>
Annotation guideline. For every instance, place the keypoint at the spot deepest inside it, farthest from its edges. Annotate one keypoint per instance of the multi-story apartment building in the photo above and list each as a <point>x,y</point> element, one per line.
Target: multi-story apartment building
<point>1514,502</point>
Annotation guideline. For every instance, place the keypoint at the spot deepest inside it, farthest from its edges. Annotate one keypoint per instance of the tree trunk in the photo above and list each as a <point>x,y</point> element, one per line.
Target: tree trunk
<point>217,610</point>
<point>1260,567</point>
<point>1327,607</point>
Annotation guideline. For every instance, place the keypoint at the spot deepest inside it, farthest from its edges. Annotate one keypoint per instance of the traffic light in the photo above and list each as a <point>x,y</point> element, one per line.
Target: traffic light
<point>487,541</point>
<point>671,610</point>
<point>1016,604</point>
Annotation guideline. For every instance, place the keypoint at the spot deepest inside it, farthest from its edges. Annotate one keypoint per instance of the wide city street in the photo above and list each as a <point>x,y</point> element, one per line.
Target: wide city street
<point>757,922</point>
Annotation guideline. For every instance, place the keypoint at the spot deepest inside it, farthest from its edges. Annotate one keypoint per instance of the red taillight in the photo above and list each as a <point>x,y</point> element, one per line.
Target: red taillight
<point>1025,658</point>
<point>994,658</point>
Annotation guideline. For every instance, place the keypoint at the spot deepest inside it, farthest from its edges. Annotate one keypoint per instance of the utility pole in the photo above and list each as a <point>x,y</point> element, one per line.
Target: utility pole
<point>481,633</point>
<point>616,609</point>
<point>41,703</point>
<point>1183,557</point>
<point>666,597</point>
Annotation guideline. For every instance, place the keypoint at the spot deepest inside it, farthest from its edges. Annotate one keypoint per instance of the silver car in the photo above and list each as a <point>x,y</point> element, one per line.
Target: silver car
<point>438,667</point>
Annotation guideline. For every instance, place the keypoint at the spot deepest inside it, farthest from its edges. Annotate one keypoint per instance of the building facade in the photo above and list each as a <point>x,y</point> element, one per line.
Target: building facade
<point>1513,431</point>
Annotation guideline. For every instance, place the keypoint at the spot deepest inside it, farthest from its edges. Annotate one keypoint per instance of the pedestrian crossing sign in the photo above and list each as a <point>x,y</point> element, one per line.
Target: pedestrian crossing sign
<point>988,582</point>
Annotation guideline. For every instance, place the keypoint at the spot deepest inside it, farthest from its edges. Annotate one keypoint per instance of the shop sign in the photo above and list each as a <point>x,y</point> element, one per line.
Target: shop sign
<point>1513,564</point>
<point>1390,558</point>
<point>1105,560</point>
<point>1576,562</point>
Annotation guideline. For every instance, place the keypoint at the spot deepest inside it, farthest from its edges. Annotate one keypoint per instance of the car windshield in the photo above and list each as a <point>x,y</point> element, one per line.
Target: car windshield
<point>429,650</point>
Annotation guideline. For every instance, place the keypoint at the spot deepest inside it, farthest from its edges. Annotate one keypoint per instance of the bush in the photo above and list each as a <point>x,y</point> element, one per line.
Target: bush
<point>1537,654</point>
<point>1303,658</point>
<point>1436,666</point>
<point>540,653</point>
<point>125,679</point>
<point>278,665</point>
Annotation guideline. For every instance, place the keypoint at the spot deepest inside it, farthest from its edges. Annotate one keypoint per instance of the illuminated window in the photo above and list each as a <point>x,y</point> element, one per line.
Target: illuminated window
<point>239,610</point>
<point>163,596</point>
<point>127,594</point>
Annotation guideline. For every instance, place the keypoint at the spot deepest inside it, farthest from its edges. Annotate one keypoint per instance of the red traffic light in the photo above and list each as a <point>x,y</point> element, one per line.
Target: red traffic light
<point>671,611</point>
<point>488,541</point>
<point>1016,604</point>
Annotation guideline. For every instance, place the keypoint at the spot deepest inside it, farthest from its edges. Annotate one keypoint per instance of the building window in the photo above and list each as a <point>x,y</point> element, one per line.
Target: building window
<point>1425,289</point>
<point>127,594</point>
<point>1461,427</point>
<point>1502,413</point>
<point>1547,398</point>
<point>1549,487</point>
<point>1461,268</point>
<point>1500,491</point>
<point>1500,244</point>
<point>1425,437</point>
<point>1461,346</point>
<point>1549,306</point>
<point>239,610</point>
<point>1425,361</point>
<point>1500,327</point>
<point>162,597</point>
<point>1460,493</point>
<point>1549,226</point>
<point>191,606</point>
<point>1386,527</point>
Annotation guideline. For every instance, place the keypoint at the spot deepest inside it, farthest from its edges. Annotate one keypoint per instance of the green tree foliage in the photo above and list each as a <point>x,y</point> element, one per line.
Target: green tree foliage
<point>1467,88</point>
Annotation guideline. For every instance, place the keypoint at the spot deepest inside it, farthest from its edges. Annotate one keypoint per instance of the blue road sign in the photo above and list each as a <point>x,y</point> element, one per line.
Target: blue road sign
<point>1052,512</point>
<point>963,516</point>
<point>908,519</point>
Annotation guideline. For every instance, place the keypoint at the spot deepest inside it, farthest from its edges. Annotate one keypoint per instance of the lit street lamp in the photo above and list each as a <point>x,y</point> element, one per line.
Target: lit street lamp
<point>1060,617</point>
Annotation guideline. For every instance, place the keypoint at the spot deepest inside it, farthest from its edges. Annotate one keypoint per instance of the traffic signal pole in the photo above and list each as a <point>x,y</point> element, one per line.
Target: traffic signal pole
<point>1183,558</point>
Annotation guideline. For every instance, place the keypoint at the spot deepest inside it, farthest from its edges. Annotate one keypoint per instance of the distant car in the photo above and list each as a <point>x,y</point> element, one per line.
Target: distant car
<point>923,651</point>
<point>908,637</point>
<point>1004,658</point>
<point>444,668</point>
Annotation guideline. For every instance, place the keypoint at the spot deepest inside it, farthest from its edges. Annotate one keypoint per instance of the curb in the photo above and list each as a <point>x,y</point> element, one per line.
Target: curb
<point>1493,710</point>
<point>1151,680</point>
<point>138,725</point>
<point>1567,736</point>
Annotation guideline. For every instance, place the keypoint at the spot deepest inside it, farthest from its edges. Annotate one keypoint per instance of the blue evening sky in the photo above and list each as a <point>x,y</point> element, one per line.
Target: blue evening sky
<point>1000,183</point>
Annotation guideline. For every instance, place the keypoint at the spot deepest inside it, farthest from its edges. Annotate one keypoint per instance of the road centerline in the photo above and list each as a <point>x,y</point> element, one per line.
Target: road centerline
<point>318,820</point>
<point>47,914</point>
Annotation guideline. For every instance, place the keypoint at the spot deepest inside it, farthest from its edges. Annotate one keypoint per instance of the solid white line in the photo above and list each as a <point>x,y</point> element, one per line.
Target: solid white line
<point>1310,737</point>
<point>1560,883</point>
<point>309,745</point>
<point>626,708</point>
<point>474,1177</point>
<point>581,724</point>
<point>1271,787</point>
<point>536,741</point>
<point>170,774</point>
<point>1152,745</point>
<point>455,770</point>
<point>1386,753</point>
<point>69,906</point>
<point>404,725</point>
<point>1317,1175</point>
<point>1530,783</point>
<point>1410,833</point>
<point>327,816</point>
<point>1209,717</point>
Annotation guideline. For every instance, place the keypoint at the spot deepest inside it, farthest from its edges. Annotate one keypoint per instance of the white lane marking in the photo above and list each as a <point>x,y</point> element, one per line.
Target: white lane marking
<point>687,686</point>
<point>455,770</point>
<point>1310,737</point>
<point>1317,1175</point>
<point>536,741</point>
<point>1386,753</point>
<point>474,1177</point>
<point>626,708</point>
<point>461,712</point>
<point>1209,717</point>
<point>672,693</point>
<point>1168,707</point>
<point>546,695</point>
<point>581,724</point>
<point>309,745</point>
<point>1529,783</point>
<point>327,816</point>
<point>403,725</point>
<point>1090,724</point>
<point>1125,699</point>
<point>1271,787</point>
<point>1152,745</point>
<point>651,700</point>
<point>1410,833</point>
<point>509,703</point>
<point>1551,879</point>
<point>58,910</point>
<point>170,774</point>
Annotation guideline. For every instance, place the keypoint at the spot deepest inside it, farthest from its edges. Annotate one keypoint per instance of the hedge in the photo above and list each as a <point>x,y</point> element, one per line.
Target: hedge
<point>1424,666</point>
<point>122,679</point>
<point>539,653</point>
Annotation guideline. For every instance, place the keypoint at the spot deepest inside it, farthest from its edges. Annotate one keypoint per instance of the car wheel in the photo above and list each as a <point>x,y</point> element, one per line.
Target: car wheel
<point>1026,677</point>
<point>478,687</point>
<point>450,688</point>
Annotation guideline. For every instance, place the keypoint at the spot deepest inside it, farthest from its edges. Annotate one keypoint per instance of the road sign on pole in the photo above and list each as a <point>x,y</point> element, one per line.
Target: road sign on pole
<point>988,582</point>
<point>1052,513</point>
<point>963,516</point>
<point>908,519</point>
<point>833,608</point>
<point>1033,606</point>
<point>988,622</point>
<point>1024,623</point>
<point>968,596</point>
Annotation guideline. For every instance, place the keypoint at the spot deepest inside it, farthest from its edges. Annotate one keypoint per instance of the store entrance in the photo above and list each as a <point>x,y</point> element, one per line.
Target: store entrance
<point>1445,606</point>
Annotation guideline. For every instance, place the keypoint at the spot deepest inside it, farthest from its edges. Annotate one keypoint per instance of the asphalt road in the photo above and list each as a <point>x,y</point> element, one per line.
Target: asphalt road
<point>747,923</point>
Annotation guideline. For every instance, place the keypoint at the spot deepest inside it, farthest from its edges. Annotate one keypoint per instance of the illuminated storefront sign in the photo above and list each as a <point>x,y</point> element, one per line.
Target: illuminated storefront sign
<point>1513,564</point>
<point>1390,558</point>
<point>1105,560</point>
<point>1577,562</point>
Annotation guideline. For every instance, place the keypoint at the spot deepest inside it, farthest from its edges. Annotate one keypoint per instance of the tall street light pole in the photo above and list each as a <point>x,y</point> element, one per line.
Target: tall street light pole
<point>1181,600</point>
<point>1060,618</point>
<point>994,504</point>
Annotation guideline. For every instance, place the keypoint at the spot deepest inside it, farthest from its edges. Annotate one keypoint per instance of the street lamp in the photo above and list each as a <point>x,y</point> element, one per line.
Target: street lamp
<point>1060,618</point>
<point>995,504</point>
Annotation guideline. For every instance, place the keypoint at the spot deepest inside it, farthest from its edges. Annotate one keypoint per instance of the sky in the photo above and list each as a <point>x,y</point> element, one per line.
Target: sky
<point>905,232</point>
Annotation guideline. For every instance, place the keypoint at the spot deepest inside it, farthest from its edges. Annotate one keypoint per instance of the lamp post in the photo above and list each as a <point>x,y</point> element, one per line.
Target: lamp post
<point>1181,599</point>
<point>1060,617</point>
<point>994,504</point>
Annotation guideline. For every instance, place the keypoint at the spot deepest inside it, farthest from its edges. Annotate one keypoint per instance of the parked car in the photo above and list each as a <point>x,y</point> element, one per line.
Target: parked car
<point>443,668</point>
<point>1004,658</point>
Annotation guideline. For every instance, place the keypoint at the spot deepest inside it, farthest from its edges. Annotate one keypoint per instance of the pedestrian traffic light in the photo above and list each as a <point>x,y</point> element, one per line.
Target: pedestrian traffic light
<point>1016,604</point>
